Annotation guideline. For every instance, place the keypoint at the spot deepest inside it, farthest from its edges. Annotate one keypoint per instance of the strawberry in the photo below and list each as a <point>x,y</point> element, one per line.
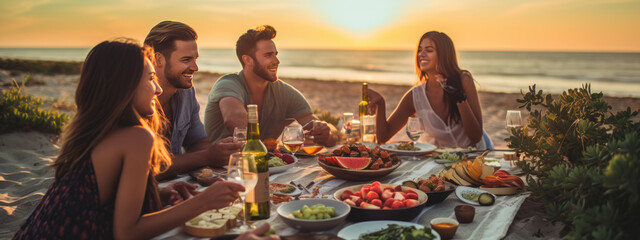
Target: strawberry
<point>363,204</point>
<point>385,207</point>
<point>349,202</point>
<point>411,202</point>
<point>386,195</point>
<point>287,158</point>
<point>371,195</point>
<point>412,196</point>
<point>346,194</point>
<point>411,191</point>
<point>376,188</point>
<point>376,183</point>
<point>376,202</point>
<point>357,200</point>
<point>389,202</point>
<point>388,188</point>
<point>397,204</point>
<point>358,193</point>
<point>398,188</point>
<point>371,206</point>
<point>277,153</point>
<point>365,189</point>
<point>398,196</point>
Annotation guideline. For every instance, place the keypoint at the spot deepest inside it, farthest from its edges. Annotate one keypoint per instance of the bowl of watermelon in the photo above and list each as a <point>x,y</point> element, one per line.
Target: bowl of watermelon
<point>377,201</point>
<point>356,162</point>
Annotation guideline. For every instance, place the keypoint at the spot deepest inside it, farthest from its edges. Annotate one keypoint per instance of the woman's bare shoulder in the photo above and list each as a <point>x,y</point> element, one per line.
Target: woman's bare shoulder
<point>126,138</point>
<point>133,133</point>
<point>466,76</point>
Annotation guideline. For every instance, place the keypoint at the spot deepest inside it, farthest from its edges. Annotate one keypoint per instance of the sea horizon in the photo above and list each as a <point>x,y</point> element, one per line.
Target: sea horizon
<point>613,73</point>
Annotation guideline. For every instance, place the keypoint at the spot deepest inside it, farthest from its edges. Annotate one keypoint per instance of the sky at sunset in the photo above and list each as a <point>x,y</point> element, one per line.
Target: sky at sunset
<point>545,25</point>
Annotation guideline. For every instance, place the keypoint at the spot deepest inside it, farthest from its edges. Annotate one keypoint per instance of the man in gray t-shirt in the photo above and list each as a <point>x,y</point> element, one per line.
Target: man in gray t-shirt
<point>258,83</point>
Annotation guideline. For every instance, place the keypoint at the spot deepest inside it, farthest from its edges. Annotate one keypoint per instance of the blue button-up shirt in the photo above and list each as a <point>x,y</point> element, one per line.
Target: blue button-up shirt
<point>187,127</point>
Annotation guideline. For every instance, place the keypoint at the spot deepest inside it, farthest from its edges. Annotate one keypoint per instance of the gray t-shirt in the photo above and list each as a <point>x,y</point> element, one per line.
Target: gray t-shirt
<point>281,101</point>
<point>187,127</point>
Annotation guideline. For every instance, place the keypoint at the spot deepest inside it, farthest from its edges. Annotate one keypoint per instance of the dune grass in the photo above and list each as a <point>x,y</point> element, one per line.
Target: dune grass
<point>20,112</point>
<point>17,66</point>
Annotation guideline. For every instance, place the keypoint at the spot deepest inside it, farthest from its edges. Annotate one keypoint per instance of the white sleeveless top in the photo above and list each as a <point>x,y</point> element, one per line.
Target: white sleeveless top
<point>436,132</point>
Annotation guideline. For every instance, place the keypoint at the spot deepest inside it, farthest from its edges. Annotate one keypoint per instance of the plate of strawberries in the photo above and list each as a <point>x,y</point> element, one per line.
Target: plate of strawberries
<point>378,201</point>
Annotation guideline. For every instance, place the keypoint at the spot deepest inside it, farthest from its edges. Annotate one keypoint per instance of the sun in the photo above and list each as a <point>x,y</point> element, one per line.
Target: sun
<point>360,16</point>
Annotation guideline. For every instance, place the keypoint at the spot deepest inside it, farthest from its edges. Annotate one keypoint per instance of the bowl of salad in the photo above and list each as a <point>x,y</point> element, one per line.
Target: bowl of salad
<point>280,162</point>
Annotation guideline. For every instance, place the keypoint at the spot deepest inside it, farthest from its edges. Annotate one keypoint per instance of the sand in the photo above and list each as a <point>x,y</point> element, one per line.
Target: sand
<point>24,156</point>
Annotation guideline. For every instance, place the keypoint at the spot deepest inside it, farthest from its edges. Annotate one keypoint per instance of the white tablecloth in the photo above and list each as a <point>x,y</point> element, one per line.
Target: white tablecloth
<point>490,222</point>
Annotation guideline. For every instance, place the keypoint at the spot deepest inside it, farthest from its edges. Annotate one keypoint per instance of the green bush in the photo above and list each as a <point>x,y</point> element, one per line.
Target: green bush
<point>22,112</point>
<point>40,66</point>
<point>326,116</point>
<point>582,163</point>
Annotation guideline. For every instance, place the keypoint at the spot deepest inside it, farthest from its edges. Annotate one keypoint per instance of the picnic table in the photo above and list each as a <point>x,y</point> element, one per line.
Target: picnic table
<point>490,222</point>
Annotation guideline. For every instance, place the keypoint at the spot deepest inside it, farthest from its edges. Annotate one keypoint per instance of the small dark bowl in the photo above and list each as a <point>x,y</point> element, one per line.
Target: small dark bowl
<point>437,197</point>
<point>358,214</point>
<point>465,213</point>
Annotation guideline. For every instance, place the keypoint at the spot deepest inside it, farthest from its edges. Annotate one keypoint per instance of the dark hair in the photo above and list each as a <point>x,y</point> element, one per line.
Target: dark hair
<point>246,44</point>
<point>162,37</point>
<point>104,98</point>
<point>447,67</point>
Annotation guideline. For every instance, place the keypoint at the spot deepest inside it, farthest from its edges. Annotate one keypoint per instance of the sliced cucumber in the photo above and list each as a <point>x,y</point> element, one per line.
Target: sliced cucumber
<point>410,184</point>
<point>486,199</point>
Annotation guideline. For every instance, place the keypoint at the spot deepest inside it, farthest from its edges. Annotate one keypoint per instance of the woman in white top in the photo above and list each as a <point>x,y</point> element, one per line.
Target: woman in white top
<point>444,98</point>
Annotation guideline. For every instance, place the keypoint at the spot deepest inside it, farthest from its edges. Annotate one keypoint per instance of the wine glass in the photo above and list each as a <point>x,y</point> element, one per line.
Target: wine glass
<point>293,138</point>
<point>242,169</point>
<point>414,131</point>
<point>514,119</point>
<point>310,146</point>
<point>240,135</point>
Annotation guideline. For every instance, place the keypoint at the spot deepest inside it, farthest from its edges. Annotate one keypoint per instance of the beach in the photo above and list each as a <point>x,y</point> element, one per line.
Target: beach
<point>24,156</point>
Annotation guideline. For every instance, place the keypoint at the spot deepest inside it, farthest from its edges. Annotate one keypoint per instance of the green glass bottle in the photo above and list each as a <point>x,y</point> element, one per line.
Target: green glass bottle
<point>365,101</point>
<point>257,200</point>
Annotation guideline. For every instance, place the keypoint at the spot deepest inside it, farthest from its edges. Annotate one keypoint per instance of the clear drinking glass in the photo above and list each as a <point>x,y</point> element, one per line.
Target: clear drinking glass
<point>293,138</point>
<point>346,125</point>
<point>311,147</point>
<point>242,169</point>
<point>414,131</point>
<point>240,135</point>
<point>514,119</point>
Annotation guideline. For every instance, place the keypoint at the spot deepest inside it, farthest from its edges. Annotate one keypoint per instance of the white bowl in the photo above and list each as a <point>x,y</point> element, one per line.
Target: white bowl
<point>341,209</point>
<point>279,169</point>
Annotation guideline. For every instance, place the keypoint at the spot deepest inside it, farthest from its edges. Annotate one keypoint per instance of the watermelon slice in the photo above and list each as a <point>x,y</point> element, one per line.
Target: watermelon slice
<point>332,160</point>
<point>353,162</point>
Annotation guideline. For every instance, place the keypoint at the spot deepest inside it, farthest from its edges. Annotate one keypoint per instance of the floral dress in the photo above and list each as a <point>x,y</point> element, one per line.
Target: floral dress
<point>71,209</point>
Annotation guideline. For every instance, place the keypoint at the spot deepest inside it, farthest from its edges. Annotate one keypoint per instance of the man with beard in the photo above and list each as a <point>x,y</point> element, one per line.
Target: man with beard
<point>258,83</point>
<point>176,52</point>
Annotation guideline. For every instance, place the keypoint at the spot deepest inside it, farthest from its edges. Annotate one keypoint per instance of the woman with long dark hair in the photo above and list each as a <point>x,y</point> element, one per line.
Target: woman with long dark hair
<point>444,98</point>
<point>110,154</point>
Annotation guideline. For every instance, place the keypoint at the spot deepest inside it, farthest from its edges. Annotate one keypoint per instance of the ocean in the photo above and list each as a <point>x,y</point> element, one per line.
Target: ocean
<point>614,74</point>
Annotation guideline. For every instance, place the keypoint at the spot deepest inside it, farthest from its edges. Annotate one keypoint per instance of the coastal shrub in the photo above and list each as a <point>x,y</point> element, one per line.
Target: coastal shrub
<point>22,112</point>
<point>27,80</point>
<point>581,162</point>
<point>40,66</point>
<point>326,116</point>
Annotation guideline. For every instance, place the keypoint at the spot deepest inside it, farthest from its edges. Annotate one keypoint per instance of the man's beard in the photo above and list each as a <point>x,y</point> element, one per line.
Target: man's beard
<point>261,71</point>
<point>174,80</point>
